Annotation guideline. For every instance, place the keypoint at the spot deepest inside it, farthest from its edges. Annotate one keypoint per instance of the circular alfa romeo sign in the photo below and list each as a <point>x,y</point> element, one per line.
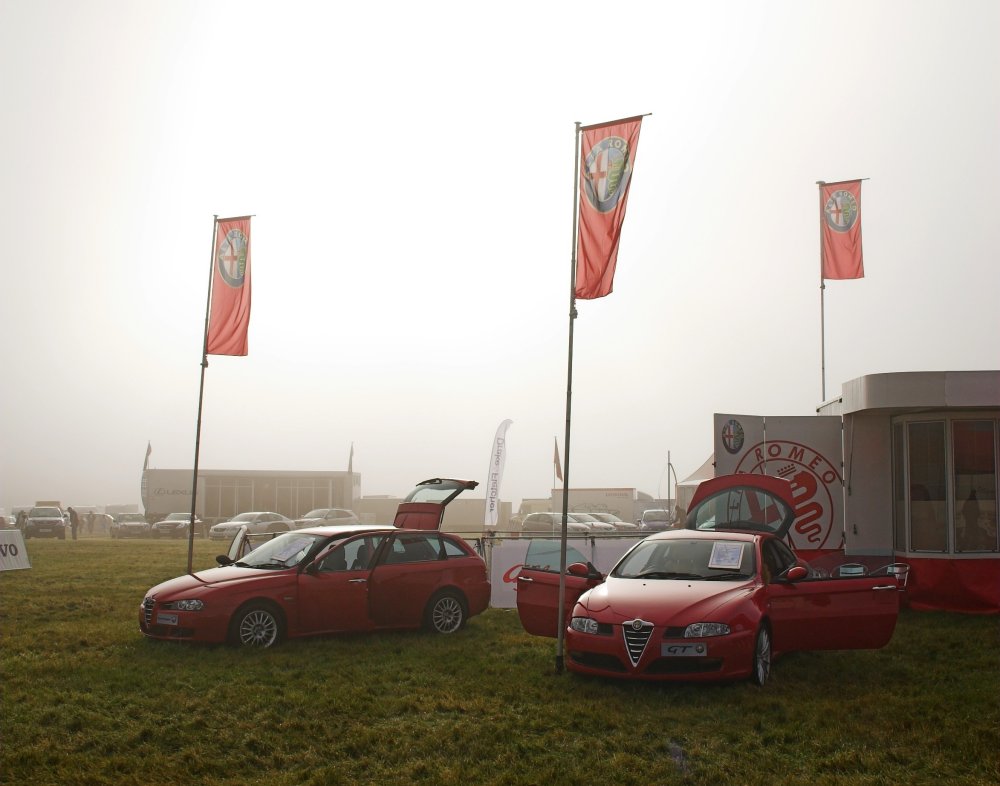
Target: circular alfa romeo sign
<point>606,172</point>
<point>814,482</point>
<point>231,258</point>
<point>841,211</point>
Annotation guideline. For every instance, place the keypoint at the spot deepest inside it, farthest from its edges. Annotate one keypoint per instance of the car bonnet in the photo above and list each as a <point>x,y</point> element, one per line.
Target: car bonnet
<point>663,601</point>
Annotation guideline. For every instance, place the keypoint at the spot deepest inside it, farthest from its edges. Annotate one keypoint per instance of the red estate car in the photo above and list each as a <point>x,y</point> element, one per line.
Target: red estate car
<point>717,600</point>
<point>330,579</point>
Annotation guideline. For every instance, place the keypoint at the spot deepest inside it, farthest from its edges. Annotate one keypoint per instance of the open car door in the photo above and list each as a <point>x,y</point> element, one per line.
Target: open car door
<point>538,586</point>
<point>423,508</point>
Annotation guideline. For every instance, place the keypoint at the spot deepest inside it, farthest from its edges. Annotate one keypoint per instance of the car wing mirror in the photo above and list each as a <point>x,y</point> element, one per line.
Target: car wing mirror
<point>223,559</point>
<point>796,573</point>
<point>584,570</point>
<point>312,568</point>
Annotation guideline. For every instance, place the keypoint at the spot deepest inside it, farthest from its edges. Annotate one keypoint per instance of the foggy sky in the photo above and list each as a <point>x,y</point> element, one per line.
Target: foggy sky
<point>410,170</point>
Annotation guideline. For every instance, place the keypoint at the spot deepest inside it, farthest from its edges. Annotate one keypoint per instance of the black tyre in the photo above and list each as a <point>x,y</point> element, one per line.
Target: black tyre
<point>258,625</point>
<point>445,613</point>
<point>762,655</point>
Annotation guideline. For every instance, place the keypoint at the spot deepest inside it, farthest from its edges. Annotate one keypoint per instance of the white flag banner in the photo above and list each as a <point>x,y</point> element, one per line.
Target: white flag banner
<point>498,457</point>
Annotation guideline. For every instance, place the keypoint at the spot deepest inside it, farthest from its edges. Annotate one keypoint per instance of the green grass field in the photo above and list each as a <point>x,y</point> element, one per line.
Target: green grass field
<point>87,700</point>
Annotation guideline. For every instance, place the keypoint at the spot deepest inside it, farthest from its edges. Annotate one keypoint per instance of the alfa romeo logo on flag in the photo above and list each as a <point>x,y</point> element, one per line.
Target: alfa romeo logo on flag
<point>231,258</point>
<point>841,211</point>
<point>606,172</point>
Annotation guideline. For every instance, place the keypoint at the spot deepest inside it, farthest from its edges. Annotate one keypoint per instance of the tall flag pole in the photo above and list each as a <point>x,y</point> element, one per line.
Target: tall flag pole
<point>839,246</point>
<point>602,170</point>
<point>227,319</point>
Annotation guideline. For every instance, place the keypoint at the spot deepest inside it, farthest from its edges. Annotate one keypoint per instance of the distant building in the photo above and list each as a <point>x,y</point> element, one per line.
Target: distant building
<point>224,493</point>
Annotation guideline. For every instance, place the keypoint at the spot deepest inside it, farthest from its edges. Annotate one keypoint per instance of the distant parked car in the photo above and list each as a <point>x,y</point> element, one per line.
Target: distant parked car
<point>175,525</point>
<point>622,527</point>
<point>129,525</point>
<point>45,522</point>
<point>324,516</point>
<point>551,524</point>
<point>655,521</point>
<point>255,522</point>
<point>597,527</point>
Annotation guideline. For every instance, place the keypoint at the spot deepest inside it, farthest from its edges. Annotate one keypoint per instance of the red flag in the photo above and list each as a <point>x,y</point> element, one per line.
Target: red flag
<point>230,314</point>
<point>606,161</point>
<point>555,459</point>
<point>841,230</point>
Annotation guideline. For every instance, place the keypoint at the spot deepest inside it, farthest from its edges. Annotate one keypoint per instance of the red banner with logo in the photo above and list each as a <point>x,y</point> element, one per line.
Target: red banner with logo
<point>606,161</point>
<point>230,312</point>
<point>840,220</point>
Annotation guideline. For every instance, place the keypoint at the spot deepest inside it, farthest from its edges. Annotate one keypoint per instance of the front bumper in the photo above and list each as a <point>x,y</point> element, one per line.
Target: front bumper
<point>173,625</point>
<point>45,531</point>
<point>667,656</point>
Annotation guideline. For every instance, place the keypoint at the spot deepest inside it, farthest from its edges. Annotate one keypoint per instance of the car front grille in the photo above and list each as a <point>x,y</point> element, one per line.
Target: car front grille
<point>637,633</point>
<point>147,609</point>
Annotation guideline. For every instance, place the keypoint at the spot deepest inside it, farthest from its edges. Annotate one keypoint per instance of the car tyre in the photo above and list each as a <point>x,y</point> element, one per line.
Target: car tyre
<point>257,626</point>
<point>445,613</point>
<point>761,656</point>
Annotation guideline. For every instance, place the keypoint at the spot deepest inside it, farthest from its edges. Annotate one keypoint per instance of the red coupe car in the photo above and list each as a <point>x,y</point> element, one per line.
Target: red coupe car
<point>716,600</point>
<point>330,579</point>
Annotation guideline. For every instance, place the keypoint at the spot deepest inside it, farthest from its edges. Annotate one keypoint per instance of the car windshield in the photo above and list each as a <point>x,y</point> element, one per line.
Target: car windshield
<point>131,517</point>
<point>178,517</point>
<point>316,514</point>
<point>586,517</point>
<point>52,513</point>
<point>688,559</point>
<point>656,515</point>
<point>284,551</point>
<point>244,517</point>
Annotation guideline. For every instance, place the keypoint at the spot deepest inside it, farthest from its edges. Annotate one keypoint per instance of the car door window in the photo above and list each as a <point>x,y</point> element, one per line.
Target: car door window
<point>360,551</point>
<point>544,555</point>
<point>411,547</point>
<point>452,550</point>
<point>777,559</point>
<point>353,554</point>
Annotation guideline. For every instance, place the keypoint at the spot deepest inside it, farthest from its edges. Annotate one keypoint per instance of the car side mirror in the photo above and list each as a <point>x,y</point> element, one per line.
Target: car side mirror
<point>223,560</point>
<point>312,569</point>
<point>584,570</point>
<point>795,573</point>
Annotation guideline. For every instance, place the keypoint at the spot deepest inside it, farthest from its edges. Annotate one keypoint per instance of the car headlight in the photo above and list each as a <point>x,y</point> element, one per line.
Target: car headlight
<point>583,624</point>
<point>701,630</point>
<point>185,605</point>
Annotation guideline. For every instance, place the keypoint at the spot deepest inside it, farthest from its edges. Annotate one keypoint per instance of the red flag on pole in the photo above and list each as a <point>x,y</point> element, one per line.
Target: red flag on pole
<point>606,161</point>
<point>230,314</point>
<point>841,230</point>
<point>558,465</point>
